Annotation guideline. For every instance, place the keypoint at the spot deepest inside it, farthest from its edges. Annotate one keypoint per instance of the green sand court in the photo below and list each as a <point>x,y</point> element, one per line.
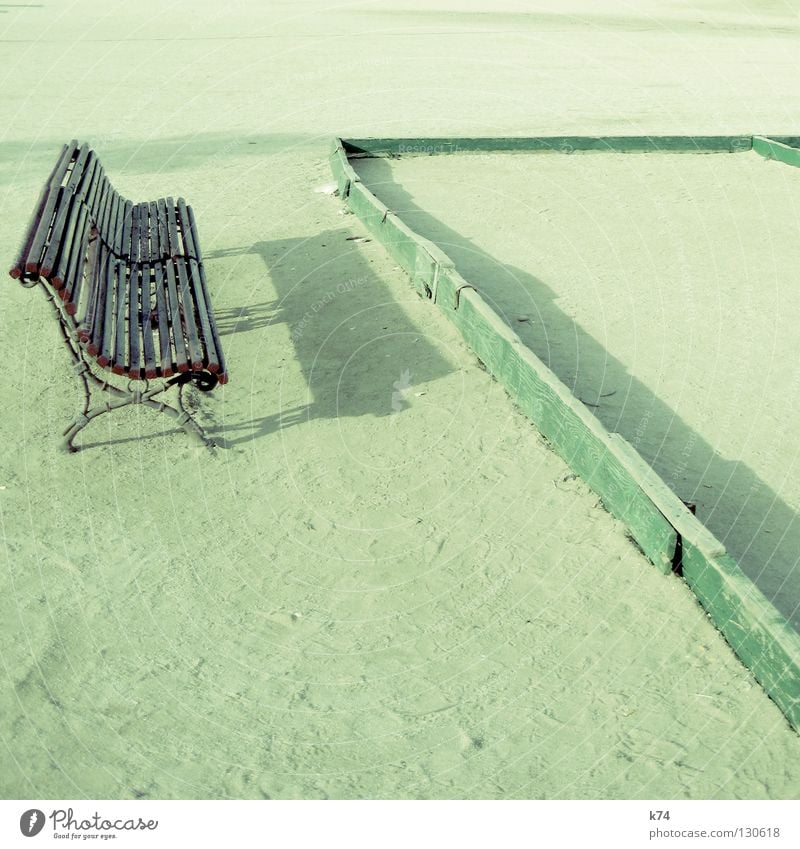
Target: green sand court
<point>384,583</point>
<point>658,288</point>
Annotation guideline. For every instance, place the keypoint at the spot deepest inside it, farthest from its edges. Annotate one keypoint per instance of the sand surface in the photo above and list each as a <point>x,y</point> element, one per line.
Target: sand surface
<point>383,584</point>
<point>663,291</point>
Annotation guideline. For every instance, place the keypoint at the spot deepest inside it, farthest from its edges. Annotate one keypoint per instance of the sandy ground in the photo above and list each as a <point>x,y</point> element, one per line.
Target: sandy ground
<point>662,291</point>
<point>382,584</point>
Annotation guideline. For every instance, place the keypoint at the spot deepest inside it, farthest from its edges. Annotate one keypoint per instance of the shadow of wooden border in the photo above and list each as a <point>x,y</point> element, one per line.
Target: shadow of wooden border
<point>671,537</point>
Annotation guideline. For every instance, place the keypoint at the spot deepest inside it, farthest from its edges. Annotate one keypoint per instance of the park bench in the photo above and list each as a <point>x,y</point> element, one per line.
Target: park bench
<point>129,290</point>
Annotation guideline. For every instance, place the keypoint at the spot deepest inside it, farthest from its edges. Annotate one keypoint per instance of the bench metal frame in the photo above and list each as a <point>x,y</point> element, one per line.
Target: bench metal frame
<point>143,394</point>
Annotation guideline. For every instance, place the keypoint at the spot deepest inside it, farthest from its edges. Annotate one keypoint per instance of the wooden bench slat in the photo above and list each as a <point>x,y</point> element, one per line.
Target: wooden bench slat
<point>73,234</point>
<point>54,239</point>
<point>184,218</point>
<point>172,231</point>
<point>95,187</point>
<point>78,171</point>
<point>148,347</point>
<point>163,229</point>
<point>80,160</point>
<point>64,210</point>
<point>18,268</point>
<point>85,300</point>
<point>203,297</point>
<point>69,199</point>
<point>111,220</point>
<point>133,250</point>
<point>69,272</point>
<point>164,347</point>
<point>175,320</point>
<point>43,227</point>
<point>107,324</point>
<point>211,357</point>
<point>155,236</point>
<point>120,320</point>
<point>77,221</point>
<point>99,206</point>
<point>118,227</point>
<point>190,317</point>
<point>92,178</point>
<point>134,342</point>
<point>77,257</point>
<point>102,208</point>
<point>127,224</point>
<point>145,233</point>
<point>89,172</point>
<point>94,295</point>
<point>94,321</point>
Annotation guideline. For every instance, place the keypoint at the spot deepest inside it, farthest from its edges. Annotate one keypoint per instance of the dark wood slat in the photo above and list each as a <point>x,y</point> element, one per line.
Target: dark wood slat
<point>58,239</point>
<point>175,320</point>
<point>172,231</point>
<point>89,174</point>
<point>94,294</point>
<point>118,365</point>
<point>77,222</point>
<point>73,299</point>
<point>78,169</point>
<point>73,238</point>
<point>116,270</point>
<point>119,227</point>
<point>155,234</point>
<point>134,248</point>
<point>94,193</point>
<point>53,245</point>
<point>102,324</point>
<point>18,269</point>
<point>134,343</point>
<point>163,230</point>
<point>184,219</point>
<point>113,212</point>
<point>43,228</point>
<point>88,191</point>
<point>190,317</point>
<point>203,297</point>
<point>127,224</point>
<point>211,359</point>
<point>144,232</point>
<point>164,346</point>
<point>73,275</point>
<point>148,347</point>
<point>100,178</point>
<point>103,211</point>
<point>79,304</point>
<point>99,205</point>
<point>93,180</point>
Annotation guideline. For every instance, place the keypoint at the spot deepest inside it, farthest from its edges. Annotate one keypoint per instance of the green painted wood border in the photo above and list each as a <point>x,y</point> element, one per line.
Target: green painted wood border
<point>773,148</point>
<point>656,519</point>
<point>556,144</point>
<point>762,638</point>
<point>342,170</point>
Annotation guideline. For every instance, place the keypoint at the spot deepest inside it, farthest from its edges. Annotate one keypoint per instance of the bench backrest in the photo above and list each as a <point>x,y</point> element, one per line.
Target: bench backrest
<point>78,203</point>
<point>134,266</point>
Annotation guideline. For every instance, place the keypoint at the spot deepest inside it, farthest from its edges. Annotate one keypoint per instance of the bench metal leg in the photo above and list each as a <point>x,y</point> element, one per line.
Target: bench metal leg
<point>119,397</point>
<point>124,399</point>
